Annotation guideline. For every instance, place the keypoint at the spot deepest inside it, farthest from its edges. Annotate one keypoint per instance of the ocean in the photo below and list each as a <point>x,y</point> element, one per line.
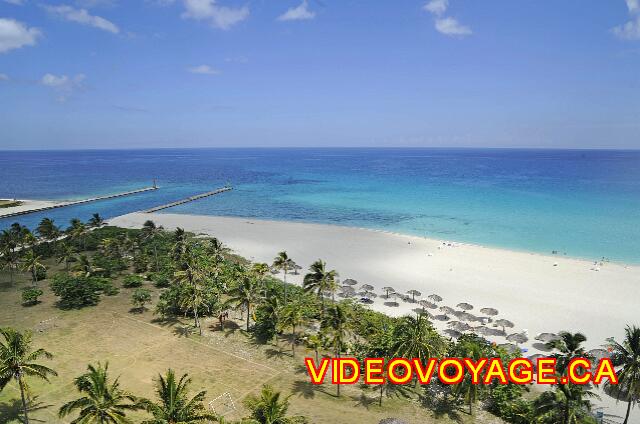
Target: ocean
<point>579,203</point>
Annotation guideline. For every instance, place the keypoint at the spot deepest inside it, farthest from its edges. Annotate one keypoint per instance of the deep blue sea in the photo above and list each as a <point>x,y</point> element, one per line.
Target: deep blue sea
<point>580,203</point>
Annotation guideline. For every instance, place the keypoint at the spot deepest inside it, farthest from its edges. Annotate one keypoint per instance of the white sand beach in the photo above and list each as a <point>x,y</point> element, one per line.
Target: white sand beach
<point>28,205</point>
<point>538,293</point>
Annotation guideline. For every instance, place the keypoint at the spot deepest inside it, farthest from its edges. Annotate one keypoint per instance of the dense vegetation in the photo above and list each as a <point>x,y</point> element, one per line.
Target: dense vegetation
<point>200,278</point>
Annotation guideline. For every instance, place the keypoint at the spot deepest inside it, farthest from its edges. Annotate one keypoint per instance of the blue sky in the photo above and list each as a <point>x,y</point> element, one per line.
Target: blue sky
<point>196,73</point>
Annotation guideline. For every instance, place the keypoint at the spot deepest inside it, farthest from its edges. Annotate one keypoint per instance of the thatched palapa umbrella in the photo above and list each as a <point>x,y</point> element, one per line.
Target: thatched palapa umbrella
<point>517,338</point>
<point>366,287</point>
<point>492,312</point>
<point>504,323</point>
<point>435,298</point>
<point>465,306</point>
<point>441,317</point>
<point>547,337</point>
<point>413,294</point>
<point>427,304</point>
<point>388,290</point>
<point>350,282</point>
<point>447,310</point>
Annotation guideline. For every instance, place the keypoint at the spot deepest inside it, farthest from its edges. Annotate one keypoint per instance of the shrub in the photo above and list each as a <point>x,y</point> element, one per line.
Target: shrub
<point>30,295</point>
<point>132,281</point>
<point>161,280</point>
<point>41,274</point>
<point>140,297</point>
<point>140,263</point>
<point>79,291</point>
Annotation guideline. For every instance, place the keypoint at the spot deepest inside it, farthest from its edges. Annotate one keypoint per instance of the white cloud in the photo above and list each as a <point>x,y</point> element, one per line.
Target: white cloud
<point>298,13</point>
<point>82,16</point>
<point>437,7</point>
<point>16,2</point>
<point>631,29</point>
<point>14,34</point>
<point>221,17</point>
<point>4,77</point>
<point>63,85</point>
<point>203,70</point>
<point>450,26</point>
<point>447,25</point>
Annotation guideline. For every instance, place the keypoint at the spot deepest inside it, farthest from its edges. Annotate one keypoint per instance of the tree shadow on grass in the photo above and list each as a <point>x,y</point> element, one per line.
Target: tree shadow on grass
<point>276,353</point>
<point>441,406</point>
<point>169,321</point>
<point>304,389</point>
<point>364,400</point>
<point>11,411</point>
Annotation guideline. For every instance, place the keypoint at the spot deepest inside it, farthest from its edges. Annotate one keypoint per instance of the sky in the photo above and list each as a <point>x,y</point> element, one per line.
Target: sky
<point>311,73</point>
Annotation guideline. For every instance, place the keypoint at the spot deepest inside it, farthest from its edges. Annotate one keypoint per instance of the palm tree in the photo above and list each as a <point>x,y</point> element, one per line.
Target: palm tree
<point>10,261</point>
<point>568,404</point>
<point>284,263</point>
<point>48,230</point>
<point>103,402</point>
<point>315,343</point>
<point>335,325</point>
<point>174,405</point>
<point>260,270</point>
<point>293,316</point>
<point>149,232</point>
<point>626,357</point>
<point>85,267</point>
<point>67,254</point>
<point>17,361</point>
<point>96,221</point>
<point>31,263</point>
<point>319,280</point>
<point>245,294</point>
<point>268,408</point>
<point>569,346</point>
<point>190,275</point>
<point>77,231</point>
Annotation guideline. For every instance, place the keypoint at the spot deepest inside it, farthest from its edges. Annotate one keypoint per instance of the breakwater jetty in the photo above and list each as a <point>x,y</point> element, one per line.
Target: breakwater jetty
<point>188,199</point>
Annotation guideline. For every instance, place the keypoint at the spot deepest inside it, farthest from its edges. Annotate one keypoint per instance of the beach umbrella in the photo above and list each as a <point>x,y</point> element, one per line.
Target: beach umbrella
<point>347,289</point>
<point>369,294</point>
<point>388,290</point>
<point>447,310</point>
<point>441,317</point>
<point>465,306</point>
<point>547,337</point>
<point>542,347</point>
<point>427,304</point>
<point>466,316</point>
<point>509,347</point>
<point>392,304</point>
<point>366,287</point>
<point>504,323</point>
<point>366,301</point>
<point>350,282</point>
<point>489,311</point>
<point>404,297</point>
<point>517,338</point>
<point>435,298</point>
<point>413,294</point>
<point>296,268</point>
<point>452,333</point>
<point>481,329</point>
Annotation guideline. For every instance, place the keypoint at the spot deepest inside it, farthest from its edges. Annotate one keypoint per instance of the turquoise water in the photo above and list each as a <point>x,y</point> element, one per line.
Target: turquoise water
<point>579,203</point>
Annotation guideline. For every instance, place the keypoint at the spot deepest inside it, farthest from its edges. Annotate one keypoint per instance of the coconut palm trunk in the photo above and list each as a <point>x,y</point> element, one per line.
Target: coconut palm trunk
<point>626,417</point>
<point>248,314</point>
<point>285,285</point>
<point>24,399</point>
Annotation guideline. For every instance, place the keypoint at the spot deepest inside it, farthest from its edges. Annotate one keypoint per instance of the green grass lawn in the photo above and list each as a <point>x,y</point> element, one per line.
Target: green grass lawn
<point>138,346</point>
